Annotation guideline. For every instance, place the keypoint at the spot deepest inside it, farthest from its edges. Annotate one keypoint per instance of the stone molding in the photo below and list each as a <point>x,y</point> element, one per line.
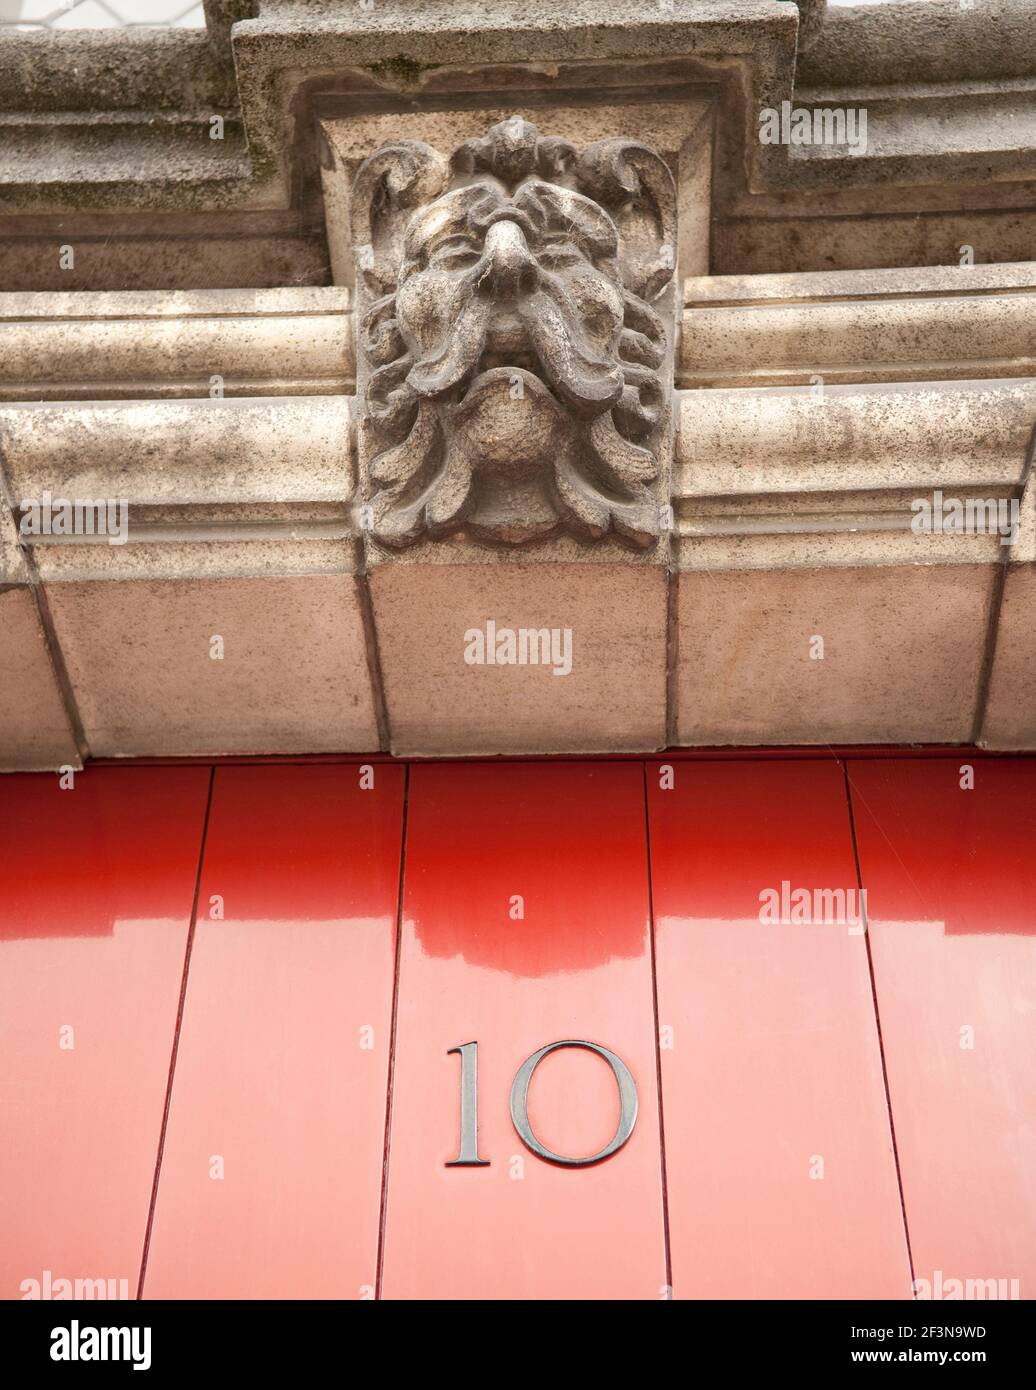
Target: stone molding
<point>139,345</point>
<point>788,479</point>
<point>675,470</point>
<point>792,509</point>
<point>932,323</point>
<point>109,133</point>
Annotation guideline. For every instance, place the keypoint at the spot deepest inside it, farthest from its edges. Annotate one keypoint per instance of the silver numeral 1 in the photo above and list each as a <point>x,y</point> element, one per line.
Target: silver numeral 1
<point>468,1156</point>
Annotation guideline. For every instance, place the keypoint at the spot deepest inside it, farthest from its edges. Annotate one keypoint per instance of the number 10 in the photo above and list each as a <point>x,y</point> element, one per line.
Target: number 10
<point>468,1154</point>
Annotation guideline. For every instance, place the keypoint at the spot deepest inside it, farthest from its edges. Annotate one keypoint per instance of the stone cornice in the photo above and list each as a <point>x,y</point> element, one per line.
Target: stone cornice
<point>137,345</point>
<point>271,520</point>
<point>791,479</point>
<point>248,485</point>
<point>116,126</point>
<point>923,323</point>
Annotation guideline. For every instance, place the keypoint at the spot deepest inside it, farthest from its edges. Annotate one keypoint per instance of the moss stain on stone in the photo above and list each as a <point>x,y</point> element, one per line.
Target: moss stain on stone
<point>401,70</point>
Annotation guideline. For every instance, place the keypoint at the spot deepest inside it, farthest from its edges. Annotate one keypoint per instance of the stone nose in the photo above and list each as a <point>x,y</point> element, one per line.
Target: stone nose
<point>512,268</point>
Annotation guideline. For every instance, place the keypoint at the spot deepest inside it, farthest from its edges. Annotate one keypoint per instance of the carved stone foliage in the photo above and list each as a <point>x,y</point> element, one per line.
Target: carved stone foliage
<point>515,353</point>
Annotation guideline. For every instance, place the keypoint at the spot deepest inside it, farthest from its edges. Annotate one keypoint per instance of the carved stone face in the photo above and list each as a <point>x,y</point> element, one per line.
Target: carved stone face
<point>513,384</point>
<point>527,280</point>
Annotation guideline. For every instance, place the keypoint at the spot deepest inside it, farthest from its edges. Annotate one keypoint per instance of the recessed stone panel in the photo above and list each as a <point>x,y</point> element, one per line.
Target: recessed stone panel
<point>901,657</point>
<point>34,728</point>
<point>444,696</point>
<point>1010,721</point>
<point>293,676</point>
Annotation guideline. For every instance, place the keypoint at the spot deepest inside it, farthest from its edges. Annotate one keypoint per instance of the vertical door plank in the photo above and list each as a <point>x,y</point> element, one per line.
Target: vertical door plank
<point>951,881</point>
<point>782,1181</point>
<point>271,1176</point>
<point>98,884</point>
<point>525,922</point>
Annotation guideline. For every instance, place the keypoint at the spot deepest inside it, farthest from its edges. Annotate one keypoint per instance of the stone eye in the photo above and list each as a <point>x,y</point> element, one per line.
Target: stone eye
<point>455,255</point>
<point>559,254</point>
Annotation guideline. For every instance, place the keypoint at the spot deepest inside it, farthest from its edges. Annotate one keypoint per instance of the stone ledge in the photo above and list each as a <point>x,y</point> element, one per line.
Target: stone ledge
<point>932,323</point>
<point>116,125</point>
<point>182,453</point>
<point>848,454</point>
<point>791,521</point>
<point>912,43</point>
<point>296,342</point>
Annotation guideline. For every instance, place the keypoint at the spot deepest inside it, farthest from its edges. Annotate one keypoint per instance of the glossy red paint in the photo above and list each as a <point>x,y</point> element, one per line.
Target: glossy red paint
<point>526,920</point>
<point>98,883</point>
<point>773,1064</point>
<point>565,845</point>
<point>282,1065</point>
<point>951,882</point>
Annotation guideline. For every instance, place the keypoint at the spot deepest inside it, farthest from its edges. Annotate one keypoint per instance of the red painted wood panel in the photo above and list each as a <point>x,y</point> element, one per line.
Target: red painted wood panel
<point>773,1064</point>
<point>98,883</point>
<point>282,1064</point>
<point>951,881</point>
<point>568,841</point>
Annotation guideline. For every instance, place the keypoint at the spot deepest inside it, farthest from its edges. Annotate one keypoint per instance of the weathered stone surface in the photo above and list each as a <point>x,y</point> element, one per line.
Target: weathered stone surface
<point>481,499</point>
<point>98,346</point>
<point>612,698</point>
<point>847,456</point>
<point>12,562</point>
<point>991,223</point>
<point>904,42</point>
<point>279,450</point>
<point>515,361</point>
<point>116,125</point>
<point>178,251</point>
<point>516,349</point>
<point>293,677</point>
<point>902,654</point>
<point>923,323</point>
<point>1010,713</point>
<point>677,126</point>
<point>34,727</point>
<point>240,529</point>
<point>1010,716</point>
<point>810,607</point>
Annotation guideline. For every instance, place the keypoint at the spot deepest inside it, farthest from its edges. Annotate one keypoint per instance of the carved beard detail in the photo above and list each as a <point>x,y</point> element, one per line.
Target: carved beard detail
<point>514,372</point>
<point>550,329</point>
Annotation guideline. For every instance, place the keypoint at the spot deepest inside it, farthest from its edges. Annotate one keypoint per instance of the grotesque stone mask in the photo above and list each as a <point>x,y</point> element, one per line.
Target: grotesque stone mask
<point>514,354</point>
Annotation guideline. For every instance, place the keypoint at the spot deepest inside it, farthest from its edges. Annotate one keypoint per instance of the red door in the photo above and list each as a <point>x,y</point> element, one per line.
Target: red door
<point>290,1030</point>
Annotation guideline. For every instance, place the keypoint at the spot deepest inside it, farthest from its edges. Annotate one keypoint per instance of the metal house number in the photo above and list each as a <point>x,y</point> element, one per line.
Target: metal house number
<point>468,1155</point>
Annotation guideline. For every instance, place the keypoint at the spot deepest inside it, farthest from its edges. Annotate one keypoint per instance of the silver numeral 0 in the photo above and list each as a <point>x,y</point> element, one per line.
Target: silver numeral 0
<point>627,1104</point>
<point>468,1157</point>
